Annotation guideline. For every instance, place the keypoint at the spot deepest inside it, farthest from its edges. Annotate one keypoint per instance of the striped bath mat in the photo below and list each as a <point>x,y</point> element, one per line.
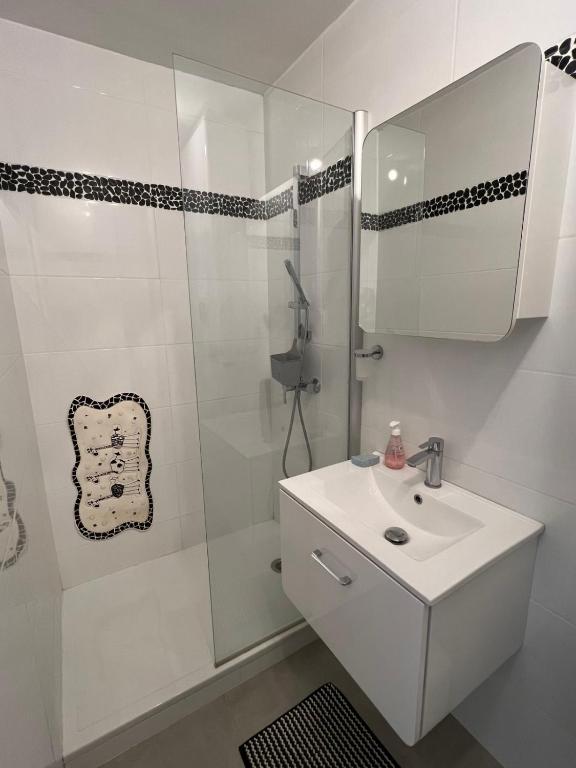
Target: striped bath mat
<point>322,731</point>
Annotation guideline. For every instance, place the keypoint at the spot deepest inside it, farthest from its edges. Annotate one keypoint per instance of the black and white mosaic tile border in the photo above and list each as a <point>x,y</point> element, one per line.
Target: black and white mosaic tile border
<point>563,56</point>
<point>47,181</point>
<point>495,190</point>
<point>82,186</point>
<point>334,177</point>
<point>79,401</point>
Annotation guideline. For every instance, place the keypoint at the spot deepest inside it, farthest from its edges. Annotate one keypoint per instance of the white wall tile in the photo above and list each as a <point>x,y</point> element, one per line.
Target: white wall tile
<point>189,478</point>
<point>87,562</point>
<point>235,157</point>
<point>333,397</point>
<point>56,378</point>
<point>181,375</point>
<point>230,369</point>
<point>164,489</point>
<point>193,531</point>
<point>55,59</point>
<point>175,311</point>
<point>280,293</point>
<point>218,102</point>
<point>397,300</point>
<point>228,309</point>
<point>162,439</point>
<point>57,455</point>
<point>294,134</point>
<point>487,239</point>
<point>185,427</point>
<point>53,313</point>
<point>549,350</point>
<point>9,338</point>
<point>60,236</point>
<point>460,301</point>
<point>568,225</point>
<point>225,248</point>
<point>171,244</point>
<point>76,131</point>
<point>517,731</point>
<point>158,86</point>
<point>162,143</point>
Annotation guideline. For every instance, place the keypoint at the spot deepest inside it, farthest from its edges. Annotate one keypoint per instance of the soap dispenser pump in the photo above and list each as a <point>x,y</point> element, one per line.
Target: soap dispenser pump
<point>394,456</point>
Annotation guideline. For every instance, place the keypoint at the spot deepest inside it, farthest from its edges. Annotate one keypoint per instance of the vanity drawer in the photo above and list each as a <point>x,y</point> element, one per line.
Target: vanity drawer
<point>374,626</point>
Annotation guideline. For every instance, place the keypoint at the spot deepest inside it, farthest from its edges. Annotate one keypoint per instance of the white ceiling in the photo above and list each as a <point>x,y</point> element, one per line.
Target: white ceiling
<point>257,38</point>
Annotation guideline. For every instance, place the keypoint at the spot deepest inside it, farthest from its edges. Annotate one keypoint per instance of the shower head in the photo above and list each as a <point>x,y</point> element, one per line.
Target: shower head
<point>292,272</point>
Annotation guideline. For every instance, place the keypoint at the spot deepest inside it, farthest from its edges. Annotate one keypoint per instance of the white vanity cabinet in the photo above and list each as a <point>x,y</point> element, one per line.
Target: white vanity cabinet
<point>415,661</point>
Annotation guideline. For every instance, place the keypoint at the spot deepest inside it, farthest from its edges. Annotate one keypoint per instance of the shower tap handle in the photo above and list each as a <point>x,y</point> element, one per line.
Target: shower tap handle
<point>376,352</point>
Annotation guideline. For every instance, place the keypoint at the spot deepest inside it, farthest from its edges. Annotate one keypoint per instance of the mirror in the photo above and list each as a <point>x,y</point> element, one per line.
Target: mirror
<point>443,196</point>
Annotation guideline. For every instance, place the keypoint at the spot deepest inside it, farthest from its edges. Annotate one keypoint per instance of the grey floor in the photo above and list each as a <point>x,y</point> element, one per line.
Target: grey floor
<point>209,738</point>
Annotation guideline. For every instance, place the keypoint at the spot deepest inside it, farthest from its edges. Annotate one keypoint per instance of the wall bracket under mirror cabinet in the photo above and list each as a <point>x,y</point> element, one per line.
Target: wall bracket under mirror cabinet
<point>462,198</point>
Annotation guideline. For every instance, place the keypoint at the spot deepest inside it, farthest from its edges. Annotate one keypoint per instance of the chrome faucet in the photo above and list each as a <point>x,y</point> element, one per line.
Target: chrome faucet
<point>432,454</point>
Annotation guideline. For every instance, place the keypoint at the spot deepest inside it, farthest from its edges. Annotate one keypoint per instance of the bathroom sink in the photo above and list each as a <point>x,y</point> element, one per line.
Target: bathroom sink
<point>374,498</point>
<point>451,533</point>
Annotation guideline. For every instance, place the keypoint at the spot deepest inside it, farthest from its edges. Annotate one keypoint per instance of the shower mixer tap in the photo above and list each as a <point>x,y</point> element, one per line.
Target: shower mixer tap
<point>313,387</point>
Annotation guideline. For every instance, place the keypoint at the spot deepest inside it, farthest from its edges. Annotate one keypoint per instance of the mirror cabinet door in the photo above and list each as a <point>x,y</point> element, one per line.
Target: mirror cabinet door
<point>443,196</point>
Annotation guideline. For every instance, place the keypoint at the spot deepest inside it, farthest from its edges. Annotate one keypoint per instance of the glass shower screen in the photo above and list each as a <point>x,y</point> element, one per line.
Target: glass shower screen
<point>266,197</point>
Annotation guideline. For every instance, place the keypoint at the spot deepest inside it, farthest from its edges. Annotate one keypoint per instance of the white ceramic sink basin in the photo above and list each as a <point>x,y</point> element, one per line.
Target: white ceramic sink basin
<point>433,520</point>
<point>452,533</point>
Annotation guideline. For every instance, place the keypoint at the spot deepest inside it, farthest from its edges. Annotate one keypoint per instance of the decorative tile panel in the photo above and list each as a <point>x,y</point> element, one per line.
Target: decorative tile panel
<point>112,470</point>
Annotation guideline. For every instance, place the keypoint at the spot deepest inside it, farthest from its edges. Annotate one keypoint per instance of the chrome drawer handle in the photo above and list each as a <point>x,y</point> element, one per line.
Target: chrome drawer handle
<point>344,581</point>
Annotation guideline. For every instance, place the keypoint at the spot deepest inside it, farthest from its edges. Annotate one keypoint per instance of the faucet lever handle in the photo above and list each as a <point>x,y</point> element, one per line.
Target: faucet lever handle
<point>434,444</point>
<point>375,352</point>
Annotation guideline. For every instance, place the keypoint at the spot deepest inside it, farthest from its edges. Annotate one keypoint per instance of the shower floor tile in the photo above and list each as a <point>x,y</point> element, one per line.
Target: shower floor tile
<point>132,640</point>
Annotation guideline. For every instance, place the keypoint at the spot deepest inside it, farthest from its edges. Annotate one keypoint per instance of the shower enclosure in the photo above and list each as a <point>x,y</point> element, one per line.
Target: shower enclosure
<point>266,179</point>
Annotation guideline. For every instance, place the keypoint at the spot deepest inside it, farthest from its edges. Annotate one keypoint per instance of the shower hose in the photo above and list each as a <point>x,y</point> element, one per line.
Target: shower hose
<point>297,404</point>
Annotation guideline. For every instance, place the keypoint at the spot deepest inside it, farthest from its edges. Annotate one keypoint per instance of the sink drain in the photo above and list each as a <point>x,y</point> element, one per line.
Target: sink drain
<point>396,535</point>
<point>276,565</point>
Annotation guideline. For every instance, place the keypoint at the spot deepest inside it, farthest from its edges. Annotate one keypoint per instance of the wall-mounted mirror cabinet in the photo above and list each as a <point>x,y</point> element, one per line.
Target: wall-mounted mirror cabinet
<point>446,191</point>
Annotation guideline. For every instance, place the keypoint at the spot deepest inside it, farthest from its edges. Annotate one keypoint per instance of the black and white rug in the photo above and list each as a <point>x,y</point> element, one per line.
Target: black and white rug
<point>322,731</point>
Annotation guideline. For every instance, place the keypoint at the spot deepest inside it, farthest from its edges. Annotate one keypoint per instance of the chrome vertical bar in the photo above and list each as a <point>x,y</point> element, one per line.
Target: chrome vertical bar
<point>359,130</point>
<point>296,252</point>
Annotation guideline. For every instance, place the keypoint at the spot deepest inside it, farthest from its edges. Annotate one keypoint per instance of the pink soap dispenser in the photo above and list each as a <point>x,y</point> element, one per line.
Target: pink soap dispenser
<point>394,456</point>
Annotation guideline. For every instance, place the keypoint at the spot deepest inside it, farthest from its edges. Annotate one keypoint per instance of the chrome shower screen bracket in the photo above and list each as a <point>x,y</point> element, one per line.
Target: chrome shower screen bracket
<point>360,129</point>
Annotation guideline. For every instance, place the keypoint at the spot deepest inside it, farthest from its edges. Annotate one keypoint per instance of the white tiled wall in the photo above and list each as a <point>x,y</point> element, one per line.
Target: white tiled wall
<point>30,588</point>
<point>100,289</point>
<point>507,410</point>
<point>300,131</point>
<point>221,134</point>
